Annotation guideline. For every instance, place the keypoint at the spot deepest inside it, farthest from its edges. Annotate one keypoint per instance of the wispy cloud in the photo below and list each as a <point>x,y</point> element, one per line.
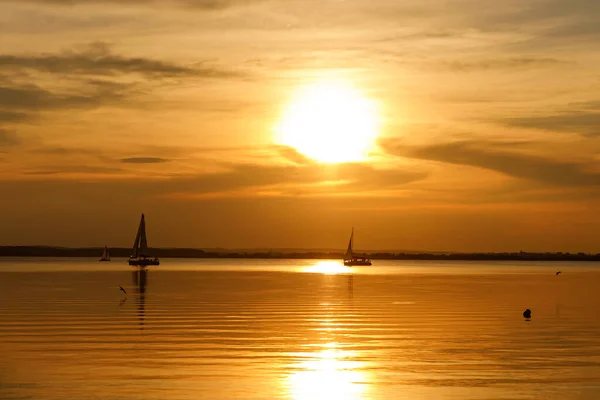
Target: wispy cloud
<point>551,23</point>
<point>72,169</point>
<point>59,150</point>
<point>32,97</point>
<point>12,116</point>
<point>499,158</point>
<point>504,63</point>
<point>9,138</point>
<point>97,59</point>
<point>199,4</point>
<point>84,79</point>
<point>144,160</point>
<point>582,118</point>
<point>283,180</point>
<point>306,179</point>
<point>291,154</point>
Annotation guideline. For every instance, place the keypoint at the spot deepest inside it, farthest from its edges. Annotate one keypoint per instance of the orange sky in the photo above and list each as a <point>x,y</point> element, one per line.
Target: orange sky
<point>485,119</point>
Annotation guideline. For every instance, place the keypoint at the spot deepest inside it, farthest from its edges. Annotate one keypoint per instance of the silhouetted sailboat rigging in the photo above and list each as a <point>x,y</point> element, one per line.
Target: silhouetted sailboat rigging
<point>140,254</point>
<point>105,255</point>
<point>350,259</point>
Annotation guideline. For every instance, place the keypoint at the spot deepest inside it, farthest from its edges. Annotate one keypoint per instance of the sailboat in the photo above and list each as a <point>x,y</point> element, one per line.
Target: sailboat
<point>105,255</point>
<point>350,259</point>
<point>140,254</point>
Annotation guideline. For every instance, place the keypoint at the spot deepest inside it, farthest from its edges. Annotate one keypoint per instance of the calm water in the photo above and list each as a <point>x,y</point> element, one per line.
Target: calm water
<point>251,329</point>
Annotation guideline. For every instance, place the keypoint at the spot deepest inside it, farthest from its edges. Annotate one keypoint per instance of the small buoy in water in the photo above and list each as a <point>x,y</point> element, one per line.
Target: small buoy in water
<point>558,272</point>
<point>527,313</point>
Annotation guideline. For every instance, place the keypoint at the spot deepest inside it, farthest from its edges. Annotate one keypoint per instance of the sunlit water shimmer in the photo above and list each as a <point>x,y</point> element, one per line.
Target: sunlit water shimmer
<point>253,329</point>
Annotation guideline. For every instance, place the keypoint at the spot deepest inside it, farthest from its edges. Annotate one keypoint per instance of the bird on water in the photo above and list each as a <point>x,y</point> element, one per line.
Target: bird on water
<point>527,313</point>
<point>558,272</point>
<point>122,290</point>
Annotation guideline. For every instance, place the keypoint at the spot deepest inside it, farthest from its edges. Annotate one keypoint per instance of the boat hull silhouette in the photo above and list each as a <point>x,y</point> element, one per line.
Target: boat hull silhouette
<point>143,261</point>
<point>355,262</point>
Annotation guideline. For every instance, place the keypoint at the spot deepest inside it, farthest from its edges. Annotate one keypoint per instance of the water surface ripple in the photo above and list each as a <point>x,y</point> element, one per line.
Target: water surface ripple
<point>238,329</point>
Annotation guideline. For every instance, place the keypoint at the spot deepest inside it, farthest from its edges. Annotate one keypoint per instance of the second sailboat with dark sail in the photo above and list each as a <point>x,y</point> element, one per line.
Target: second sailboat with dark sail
<point>350,259</point>
<point>105,255</point>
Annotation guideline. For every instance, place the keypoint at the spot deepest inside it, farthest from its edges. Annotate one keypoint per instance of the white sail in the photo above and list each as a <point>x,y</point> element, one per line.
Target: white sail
<point>349,253</point>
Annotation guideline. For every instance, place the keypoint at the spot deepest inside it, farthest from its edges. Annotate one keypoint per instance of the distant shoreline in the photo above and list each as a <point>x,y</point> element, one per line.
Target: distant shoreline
<point>48,251</point>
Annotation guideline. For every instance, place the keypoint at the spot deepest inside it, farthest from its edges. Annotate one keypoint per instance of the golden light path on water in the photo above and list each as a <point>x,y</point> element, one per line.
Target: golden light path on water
<point>329,375</point>
<point>329,372</point>
<point>328,267</point>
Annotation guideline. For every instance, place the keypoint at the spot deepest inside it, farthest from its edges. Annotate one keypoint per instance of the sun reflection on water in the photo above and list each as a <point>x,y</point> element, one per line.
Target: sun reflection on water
<point>329,375</point>
<point>328,267</point>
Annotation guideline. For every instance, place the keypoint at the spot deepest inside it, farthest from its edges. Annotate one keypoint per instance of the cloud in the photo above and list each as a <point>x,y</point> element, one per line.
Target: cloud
<point>32,97</point>
<point>97,59</point>
<point>497,158</point>
<point>582,118</point>
<point>551,23</point>
<point>8,138</point>
<point>577,122</point>
<point>291,154</point>
<point>11,116</point>
<point>289,180</point>
<point>507,63</point>
<point>303,179</point>
<point>64,150</point>
<point>73,169</point>
<point>206,4</point>
<point>144,160</point>
<point>85,78</point>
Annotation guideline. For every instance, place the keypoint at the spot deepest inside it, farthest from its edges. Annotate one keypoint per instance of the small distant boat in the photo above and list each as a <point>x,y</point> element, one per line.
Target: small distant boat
<point>351,260</point>
<point>105,255</point>
<point>140,256</point>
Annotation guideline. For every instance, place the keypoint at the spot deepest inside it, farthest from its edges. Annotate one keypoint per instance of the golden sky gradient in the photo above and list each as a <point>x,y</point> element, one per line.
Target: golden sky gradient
<point>480,123</point>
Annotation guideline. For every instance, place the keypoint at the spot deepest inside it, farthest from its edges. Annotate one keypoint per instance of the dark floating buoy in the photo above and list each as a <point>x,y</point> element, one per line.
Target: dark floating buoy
<point>558,272</point>
<point>527,313</point>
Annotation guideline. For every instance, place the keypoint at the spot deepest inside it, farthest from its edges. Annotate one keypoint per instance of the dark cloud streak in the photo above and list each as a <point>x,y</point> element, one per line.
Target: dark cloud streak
<point>9,138</point>
<point>207,5</point>
<point>582,118</point>
<point>305,179</point>
<point>11,116</point>
<point>144,160</point>
<point>495,64</point>
<point>32,97</point>
<point>89,70</point>
<point>73,169</point>
<point>97,60</point>
<point>487,155</point>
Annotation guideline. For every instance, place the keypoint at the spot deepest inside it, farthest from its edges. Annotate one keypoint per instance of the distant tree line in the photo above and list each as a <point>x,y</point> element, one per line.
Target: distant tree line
<point>46,251</point>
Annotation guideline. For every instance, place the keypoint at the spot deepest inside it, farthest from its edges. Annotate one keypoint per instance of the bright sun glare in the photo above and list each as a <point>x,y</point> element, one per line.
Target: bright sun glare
<point>330,122</point>
<point>328,376</point>
<point>328,268</point>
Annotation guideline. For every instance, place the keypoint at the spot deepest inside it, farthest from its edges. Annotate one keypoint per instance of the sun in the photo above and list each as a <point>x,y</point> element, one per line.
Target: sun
<point>330,122</point>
